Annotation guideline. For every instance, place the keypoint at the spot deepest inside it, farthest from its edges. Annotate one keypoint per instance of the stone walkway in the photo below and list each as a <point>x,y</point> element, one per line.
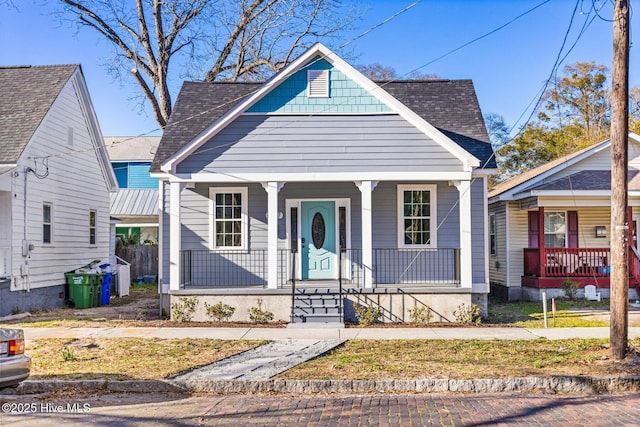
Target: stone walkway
<point>262,362</point>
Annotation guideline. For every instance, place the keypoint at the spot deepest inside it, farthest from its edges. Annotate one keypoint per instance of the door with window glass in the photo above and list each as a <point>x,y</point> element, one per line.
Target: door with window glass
<point>318,238</point>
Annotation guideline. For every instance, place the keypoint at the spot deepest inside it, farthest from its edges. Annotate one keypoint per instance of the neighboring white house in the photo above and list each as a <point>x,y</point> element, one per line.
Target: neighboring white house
<point>552,224</point>
<point>55,181</point>
<point>322,176</point>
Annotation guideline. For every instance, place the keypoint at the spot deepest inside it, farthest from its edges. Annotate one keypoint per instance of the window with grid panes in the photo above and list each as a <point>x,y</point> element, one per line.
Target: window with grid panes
<point>416,215</point>
<point>229,225</point>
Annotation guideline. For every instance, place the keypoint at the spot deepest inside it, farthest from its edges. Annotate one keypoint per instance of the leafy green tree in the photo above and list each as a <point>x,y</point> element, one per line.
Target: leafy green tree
<point>580,99</point>
<point>535,146</point>
<point>575,114</point>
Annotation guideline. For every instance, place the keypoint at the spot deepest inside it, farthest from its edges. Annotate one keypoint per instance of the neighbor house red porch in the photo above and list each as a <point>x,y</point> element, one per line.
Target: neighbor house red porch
<point>549,267</point>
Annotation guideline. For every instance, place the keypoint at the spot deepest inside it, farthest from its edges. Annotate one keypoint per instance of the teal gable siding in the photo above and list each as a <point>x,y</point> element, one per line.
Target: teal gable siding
<point>139,176</point>
<point>345,96</point>
<point>134,175</point>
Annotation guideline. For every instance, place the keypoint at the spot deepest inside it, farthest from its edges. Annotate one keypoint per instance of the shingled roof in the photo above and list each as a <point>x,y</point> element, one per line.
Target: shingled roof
<point>26,95</point>
<point>587,180</point>
<point>449,105</point>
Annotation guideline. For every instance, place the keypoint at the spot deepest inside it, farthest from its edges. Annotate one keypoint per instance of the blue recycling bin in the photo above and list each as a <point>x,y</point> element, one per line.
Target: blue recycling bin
<point>106,289</point>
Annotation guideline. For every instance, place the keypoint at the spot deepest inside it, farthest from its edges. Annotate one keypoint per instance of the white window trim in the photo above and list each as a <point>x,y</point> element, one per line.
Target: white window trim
<point>244,218</point>
<point>432,188</point>
<point>95,227</point>
<point>492,218</point>
<point>51,240</point>
<point>319,80</point>
<point>566,225</point>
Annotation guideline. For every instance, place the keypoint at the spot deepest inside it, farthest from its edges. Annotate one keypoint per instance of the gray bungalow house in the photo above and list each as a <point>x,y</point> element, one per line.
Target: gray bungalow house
<point>323,182</point>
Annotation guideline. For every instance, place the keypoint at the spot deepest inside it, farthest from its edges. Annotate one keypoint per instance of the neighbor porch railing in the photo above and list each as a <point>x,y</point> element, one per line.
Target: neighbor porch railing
<point>567,262</point>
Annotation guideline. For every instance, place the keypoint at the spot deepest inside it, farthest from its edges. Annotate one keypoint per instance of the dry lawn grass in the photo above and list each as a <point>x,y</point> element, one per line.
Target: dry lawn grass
<point>126,358</point>
<point>462,359</point>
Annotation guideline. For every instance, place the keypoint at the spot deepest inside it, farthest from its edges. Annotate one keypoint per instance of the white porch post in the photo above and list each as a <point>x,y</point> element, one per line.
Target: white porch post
<point>272,187</point>
<point>366,188</point>
<point>175,242</point>
<point>466,270</point>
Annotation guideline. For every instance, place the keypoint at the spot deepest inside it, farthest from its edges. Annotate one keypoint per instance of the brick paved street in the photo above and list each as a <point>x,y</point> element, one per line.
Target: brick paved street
<point>332,410</point>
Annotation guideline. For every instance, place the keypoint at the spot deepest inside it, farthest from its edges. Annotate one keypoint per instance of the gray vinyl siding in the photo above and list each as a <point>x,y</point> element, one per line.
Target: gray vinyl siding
<point>478,227</point>
<point>75,184</point>
<point>289,144</point>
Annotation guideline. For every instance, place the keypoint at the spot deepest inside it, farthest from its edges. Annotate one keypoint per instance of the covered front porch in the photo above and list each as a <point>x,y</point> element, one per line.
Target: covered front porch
<point>548,267</point>
<point>393,244</point>
<point>271,234</point>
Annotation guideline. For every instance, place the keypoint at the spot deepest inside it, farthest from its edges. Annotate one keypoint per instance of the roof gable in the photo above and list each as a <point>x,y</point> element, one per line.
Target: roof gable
<point>346,96</point>
<point>545,174</point>
<point>26,95</point>
<point>207,107</point>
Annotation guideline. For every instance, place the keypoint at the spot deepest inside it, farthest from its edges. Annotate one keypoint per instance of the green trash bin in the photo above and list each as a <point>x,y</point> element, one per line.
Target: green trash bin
<point>97,289</point>
<point>81,290</point>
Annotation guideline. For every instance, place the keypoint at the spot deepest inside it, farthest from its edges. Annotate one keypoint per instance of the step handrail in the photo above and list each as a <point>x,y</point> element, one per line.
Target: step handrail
<point>293,284</point>
<point>340,301</point>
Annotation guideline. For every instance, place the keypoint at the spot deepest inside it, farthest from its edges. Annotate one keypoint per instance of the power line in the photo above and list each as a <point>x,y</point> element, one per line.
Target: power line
<point>480,37</point>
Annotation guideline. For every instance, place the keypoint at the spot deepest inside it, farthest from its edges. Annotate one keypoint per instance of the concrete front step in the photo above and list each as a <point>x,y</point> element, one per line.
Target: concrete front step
<point>316,318</point>
<point>316,306</point>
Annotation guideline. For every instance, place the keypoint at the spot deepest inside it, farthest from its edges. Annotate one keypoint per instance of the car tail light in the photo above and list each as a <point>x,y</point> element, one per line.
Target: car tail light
<point>16,347</point>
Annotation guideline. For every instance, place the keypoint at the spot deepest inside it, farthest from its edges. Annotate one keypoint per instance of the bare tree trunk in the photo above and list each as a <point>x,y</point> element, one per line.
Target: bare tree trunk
<point>619,165</point>
<point>233,39</point>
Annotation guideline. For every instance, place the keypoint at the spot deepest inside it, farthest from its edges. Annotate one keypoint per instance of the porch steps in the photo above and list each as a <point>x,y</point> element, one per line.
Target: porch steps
<point>316,306</point>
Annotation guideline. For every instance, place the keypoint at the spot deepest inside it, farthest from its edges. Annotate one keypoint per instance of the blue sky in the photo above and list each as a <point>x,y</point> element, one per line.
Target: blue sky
<point>508,67</point>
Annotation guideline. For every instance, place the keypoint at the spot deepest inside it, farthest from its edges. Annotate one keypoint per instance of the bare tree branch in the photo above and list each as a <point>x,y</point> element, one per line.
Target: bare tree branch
<point>227,39</point>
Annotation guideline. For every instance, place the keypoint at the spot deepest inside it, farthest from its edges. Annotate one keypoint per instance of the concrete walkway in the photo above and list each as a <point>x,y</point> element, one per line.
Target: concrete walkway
<point>337,334</point>
<point>262,362</point>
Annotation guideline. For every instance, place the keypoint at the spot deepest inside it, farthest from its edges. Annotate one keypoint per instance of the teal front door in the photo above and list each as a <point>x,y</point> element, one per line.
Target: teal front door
<point>318,234</point>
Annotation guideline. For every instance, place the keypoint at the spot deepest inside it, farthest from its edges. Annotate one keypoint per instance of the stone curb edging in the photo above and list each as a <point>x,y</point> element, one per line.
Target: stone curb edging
<point>553,384</point>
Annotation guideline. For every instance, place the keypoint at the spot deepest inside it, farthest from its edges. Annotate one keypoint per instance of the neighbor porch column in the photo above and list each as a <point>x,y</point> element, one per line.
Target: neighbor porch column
<point>175,242</point>
<point>466,253</point>
<point>366,188</point>
<point>542,256</point>
<point>272,187</point>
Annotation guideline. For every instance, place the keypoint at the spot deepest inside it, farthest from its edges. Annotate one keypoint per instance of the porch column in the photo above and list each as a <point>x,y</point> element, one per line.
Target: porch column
<point>466,253</point>
<point>366,188</point>
<point>175,242</point>
<point>272,187</point>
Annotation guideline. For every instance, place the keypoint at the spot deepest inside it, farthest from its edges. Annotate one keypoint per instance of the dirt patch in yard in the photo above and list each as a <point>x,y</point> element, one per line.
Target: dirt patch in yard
<point>141,308</point>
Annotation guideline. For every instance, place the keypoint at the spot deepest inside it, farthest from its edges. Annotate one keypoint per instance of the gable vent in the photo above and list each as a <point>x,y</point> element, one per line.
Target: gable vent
<point>318,83</point>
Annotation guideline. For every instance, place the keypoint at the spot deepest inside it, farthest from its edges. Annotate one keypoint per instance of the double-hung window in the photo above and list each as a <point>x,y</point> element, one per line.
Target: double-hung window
<point>555,229</point>
<point>47,223</point>
<point>229,226</point>
<point>416,216</point>
<point>92,227</point>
